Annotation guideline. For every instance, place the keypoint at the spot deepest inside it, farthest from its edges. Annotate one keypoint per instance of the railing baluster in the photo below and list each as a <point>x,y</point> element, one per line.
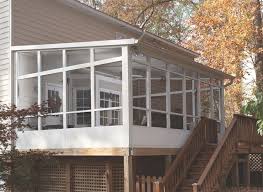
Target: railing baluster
<point>241,129</point>
<point>149,184</point>
<point>187,154</point>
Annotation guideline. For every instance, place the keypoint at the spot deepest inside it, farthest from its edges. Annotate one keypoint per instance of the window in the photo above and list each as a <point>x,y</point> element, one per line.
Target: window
<point>83,103</point>
<point>108,94</point>
<point>54,98</point>
<point>139,91</point>
<point>62,79</point>
<point>79,96</point>
<point>108,100</point>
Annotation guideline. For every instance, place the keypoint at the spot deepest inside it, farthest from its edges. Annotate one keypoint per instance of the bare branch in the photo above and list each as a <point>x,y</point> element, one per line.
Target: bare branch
<point>148,18</point>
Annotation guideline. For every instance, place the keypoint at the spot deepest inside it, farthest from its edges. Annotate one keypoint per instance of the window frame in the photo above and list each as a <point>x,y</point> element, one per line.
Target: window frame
<point>64,69</point>
<point>109,109</point>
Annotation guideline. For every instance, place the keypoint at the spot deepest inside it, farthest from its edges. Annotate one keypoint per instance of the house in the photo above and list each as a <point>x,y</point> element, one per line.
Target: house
<point>128,104</point>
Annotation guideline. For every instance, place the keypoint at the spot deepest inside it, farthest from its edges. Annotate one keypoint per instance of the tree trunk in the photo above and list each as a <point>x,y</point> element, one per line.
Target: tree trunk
<point>259,46</point>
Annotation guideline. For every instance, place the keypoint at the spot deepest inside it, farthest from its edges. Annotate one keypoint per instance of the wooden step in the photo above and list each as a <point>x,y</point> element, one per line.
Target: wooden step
<point>197,168</point>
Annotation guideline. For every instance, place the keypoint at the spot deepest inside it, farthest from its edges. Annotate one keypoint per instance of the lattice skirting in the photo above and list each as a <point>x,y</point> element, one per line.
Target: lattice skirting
<point>82,175</point>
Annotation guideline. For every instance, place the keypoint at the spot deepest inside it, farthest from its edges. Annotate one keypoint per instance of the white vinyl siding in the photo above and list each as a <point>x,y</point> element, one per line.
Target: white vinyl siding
<point>4,50</point>
<point>62,24</point>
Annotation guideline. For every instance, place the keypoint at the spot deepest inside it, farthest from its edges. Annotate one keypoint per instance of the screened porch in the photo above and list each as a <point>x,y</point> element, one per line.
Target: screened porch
<point>100,93</point>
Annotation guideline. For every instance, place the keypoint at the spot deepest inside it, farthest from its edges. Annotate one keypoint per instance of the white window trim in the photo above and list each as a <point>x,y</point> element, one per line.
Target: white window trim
<point>109,108</point>
<point>63,71</point>
<point>75,89</point>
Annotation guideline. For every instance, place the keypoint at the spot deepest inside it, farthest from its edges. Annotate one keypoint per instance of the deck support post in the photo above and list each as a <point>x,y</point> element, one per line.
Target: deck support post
<point>129,174</point>
<point>68,177</point>
<point>195,187</point>
<point>109,176</point>
<point>248,171</point>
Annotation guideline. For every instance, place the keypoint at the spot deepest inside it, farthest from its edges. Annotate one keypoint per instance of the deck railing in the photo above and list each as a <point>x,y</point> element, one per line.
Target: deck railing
<point>205,132</point>
<point>241,129</point>
<point>149,184</point>
<point>243,189</point>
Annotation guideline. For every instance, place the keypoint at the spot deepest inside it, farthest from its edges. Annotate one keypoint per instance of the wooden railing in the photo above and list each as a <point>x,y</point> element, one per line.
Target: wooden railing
<point>243,189</point>
<point>149,184</point>
<point>241,129</point>
<point>205,131</point>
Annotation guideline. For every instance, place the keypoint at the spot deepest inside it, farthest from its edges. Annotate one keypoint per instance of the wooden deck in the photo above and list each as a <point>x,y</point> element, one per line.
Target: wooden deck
<point>240,137</point>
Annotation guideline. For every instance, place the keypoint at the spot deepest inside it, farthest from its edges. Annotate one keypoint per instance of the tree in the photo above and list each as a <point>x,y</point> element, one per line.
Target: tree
<point>226,33</point>
<point>165,18</point>
<point>255,108</point>
<point>18,169</point>
<point>258,64</point>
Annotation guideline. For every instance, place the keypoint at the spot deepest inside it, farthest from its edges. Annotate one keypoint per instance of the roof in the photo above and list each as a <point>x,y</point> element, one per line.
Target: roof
<point>89,10</point>
<point>114,21</point>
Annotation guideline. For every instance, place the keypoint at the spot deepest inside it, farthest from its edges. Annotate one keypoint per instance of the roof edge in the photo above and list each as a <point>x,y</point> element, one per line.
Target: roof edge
<point>106,43</point>
<point>215,71</point>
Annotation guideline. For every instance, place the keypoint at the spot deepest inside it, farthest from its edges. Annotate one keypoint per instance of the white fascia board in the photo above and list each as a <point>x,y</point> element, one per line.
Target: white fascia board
<point>90,44</point>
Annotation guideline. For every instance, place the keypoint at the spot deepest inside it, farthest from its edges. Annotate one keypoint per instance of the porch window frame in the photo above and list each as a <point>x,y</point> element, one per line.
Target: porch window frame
<point>66,68</point>
<point>195,92</point>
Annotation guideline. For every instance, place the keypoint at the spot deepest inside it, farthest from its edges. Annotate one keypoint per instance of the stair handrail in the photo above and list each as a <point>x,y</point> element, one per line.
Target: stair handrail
<point>211,176</point>
<point>178,170</point>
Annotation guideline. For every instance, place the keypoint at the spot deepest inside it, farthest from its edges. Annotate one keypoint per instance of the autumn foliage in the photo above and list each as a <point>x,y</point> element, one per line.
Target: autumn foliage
<point>225,36</point>
<point>18,169</point>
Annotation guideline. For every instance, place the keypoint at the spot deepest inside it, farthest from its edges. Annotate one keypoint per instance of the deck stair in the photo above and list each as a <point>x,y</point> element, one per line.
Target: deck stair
<point>202,165</point>
<point>197,168</point>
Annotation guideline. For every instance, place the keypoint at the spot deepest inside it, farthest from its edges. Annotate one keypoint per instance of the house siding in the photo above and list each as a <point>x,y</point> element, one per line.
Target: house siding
<point>62,24</point>
<point>4,50</point>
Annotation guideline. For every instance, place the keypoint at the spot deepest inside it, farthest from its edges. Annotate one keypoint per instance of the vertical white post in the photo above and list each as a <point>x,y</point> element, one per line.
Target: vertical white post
<point>168,98</point>
<point>184,102</point>
<point>222,107</point>
<point>148,92</point>
<point>212,108</point>
<point>64,60</point>
<point>193,100</point>
<point>39,102</point>
<point>11,64</point>
<point>16,78</point>
<point>199,110</point>
<point>127,112</point>
<point>129,174</point>
<point>12,78</point>
<point>92,90</point>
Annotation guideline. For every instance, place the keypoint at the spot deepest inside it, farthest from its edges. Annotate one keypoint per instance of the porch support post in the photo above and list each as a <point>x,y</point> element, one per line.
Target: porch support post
<point>39,60</point>
<point>129,174</point>
<point>148,92</point>
<point>127,116</point>
<point>222,107</point>
<point>92,90</point>
<point>193,101</point>
<point>198,94</point>
<point>64,90</point>
<point>184,103</point>
<point>212,110</point>
<point>168,99</point>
